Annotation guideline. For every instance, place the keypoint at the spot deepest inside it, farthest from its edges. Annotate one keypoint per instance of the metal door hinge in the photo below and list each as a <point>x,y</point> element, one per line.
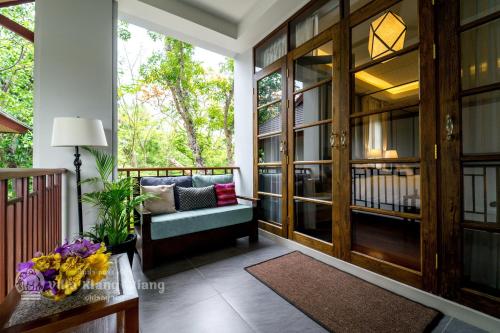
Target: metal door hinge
<point>287,72</point>
<point>287,103</point>
<point>286,158</point>
<point>253,91</point>
<point>434,51</point>
<point>433,2</point>
<point>437,261</point>
<point>435,151</point>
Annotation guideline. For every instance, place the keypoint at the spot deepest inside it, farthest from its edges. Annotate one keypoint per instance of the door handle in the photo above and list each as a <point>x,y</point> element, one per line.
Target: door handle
<point>333,140</point>
<point>449,127</point>
<point>343,138</point>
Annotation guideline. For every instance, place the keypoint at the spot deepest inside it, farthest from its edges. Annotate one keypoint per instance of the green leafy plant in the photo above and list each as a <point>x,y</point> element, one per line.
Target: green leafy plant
<point>113,200</point>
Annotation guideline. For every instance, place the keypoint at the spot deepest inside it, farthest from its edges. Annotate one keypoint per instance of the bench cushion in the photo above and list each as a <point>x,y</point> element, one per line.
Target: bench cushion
<point>207,180</point>
<point>182,223</point>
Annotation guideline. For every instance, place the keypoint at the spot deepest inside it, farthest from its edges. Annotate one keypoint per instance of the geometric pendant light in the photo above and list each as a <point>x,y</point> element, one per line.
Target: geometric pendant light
<point>387,35</point>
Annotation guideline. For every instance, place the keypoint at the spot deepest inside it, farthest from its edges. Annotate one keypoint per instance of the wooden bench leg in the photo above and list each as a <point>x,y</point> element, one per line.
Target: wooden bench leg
<point>132,320</point>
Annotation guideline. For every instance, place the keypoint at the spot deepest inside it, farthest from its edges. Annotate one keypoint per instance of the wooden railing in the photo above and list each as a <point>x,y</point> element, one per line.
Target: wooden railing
<point>30,218</point>
<point>174,171</point>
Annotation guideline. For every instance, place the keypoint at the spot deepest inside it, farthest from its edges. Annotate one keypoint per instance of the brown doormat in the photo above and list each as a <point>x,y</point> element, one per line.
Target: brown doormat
<point>339,301</point>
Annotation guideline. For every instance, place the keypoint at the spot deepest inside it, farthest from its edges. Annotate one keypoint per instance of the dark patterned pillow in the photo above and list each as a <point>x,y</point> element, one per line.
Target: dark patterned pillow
<point>191,198</point>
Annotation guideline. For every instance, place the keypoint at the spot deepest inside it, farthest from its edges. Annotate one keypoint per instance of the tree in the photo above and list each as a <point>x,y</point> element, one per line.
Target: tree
<point>173,73</point>
<point>16,86</point>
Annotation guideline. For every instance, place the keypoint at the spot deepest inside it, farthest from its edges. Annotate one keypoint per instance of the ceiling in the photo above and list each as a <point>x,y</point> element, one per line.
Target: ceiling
<point>228,27</point>
<point>230,10</point>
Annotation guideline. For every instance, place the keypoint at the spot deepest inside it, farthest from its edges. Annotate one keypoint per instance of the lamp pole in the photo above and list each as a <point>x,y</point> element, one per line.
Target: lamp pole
<point>78,163</point>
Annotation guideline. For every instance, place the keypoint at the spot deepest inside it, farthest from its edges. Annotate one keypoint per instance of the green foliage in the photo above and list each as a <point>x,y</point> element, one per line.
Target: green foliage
<point>175,112</point>
<point>113,201</point>
<point>16,86</point>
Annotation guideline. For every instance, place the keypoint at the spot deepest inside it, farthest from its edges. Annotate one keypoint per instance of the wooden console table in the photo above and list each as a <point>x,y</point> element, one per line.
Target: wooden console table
<point>118,312</point>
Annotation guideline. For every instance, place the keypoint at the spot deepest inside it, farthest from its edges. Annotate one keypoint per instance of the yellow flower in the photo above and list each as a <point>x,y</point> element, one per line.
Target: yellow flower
<point>70,275</point>
<point>98,265</point>
<point>51,261</point>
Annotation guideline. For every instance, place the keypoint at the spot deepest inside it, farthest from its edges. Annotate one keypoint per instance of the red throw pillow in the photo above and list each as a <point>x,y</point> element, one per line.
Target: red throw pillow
<point>226,194</point>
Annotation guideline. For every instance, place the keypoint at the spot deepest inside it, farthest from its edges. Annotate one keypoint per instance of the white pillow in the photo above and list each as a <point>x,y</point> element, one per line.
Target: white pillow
<point>164,203</point>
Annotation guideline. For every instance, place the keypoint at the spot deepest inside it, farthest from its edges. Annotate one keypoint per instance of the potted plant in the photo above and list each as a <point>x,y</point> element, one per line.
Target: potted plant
<point>114,202</point>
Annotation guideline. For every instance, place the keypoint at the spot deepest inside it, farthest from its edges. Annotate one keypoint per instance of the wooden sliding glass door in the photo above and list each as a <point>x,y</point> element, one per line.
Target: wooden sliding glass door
<point>392,138</point>
<point>270,147</point>
<point>470,139</point>
<point>311,92</point>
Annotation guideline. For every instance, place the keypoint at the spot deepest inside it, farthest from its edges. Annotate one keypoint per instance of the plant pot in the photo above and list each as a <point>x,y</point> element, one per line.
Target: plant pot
<point>127,247</point>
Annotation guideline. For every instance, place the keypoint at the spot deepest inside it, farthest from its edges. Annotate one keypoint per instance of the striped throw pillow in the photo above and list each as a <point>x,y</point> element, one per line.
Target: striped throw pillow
<point>226,194</point>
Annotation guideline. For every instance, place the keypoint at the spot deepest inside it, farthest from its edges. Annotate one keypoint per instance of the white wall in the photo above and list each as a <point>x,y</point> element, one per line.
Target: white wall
<point>73,77</point>
<point>243,122</point>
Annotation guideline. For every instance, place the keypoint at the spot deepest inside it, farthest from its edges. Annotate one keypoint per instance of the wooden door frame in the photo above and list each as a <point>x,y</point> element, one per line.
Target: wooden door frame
<point>277,66</point>
<point>427,277</point>
<point>451,160</point>
<point>326,36</point>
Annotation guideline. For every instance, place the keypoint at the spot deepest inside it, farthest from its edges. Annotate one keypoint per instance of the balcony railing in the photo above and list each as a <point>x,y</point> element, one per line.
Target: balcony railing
<point>30,218</point>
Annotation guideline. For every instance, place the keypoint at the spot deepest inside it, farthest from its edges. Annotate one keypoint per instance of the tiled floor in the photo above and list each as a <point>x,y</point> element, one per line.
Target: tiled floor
<point>213,293</point>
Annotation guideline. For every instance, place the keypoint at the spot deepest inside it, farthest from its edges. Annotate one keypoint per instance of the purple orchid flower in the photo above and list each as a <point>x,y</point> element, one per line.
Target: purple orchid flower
<point>22,266</point>
<point>81,247</point>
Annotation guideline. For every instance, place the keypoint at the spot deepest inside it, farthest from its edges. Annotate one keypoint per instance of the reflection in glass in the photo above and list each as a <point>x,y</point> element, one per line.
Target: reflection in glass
<point>271,50</point>
<point>313,67</point>
<point>481,55</point>
<point>269,149</point>
<point>269,89</point>
<point>270,180</point>
<point>471,10</point>
<point>392,134</point>
<point>314,21</point>
<point>357,4</point>
<point>314,181</point>
<point>481,263</point>
<point>313,143</point>
<point>481,115</point>
<point>313,105</point>
<point>313,219</point>
<point>393,187</point>
<point>269,118</point>
<point>384,84</point>
<point>270,209</point>
<point>388,238</point>
<point>408,12</point>
<point>481,189</point>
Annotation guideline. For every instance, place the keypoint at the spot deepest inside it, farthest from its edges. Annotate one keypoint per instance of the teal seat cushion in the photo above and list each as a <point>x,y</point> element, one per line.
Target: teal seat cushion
<point>208,180</point>
<point>187,222</point>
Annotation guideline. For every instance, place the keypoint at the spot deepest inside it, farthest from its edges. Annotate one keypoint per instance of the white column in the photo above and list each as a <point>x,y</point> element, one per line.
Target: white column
<point>73,77</point>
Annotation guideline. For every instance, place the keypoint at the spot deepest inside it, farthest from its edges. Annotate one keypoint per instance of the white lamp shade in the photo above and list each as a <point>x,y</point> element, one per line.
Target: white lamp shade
<point>71,132</point>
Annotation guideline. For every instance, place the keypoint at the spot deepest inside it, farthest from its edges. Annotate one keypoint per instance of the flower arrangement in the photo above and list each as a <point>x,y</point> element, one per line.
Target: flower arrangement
<point>66,268</point>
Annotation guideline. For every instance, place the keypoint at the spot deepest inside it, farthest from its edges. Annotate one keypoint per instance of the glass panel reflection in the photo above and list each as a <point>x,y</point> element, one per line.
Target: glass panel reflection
<point>270,209</point>
<point>313,105</point>
<point>271,50</point>
<point>384,84</point>
<point>314,220</point>
<point>482,260</point>
<point>471,10</point>
<point>407,13</point>
<point>314,21</point>
<point>313,67</point>
<point>269,89</point>
<point>269,149</point>
<point>386,135</point>
<point>393,187</point>
<point>270,180</point>
<point>313,143</point>
<point>481,55</point>
<point>388,238</point>
<point>481,190</point>
<point>481,114</point>
<point>269,118</point>
<point>314,181</point>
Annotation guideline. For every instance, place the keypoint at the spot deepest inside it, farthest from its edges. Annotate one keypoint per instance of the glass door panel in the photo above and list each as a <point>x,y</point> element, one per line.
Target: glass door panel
<point>270,182</point>
<point>386,220</point>
<point>312,169</point>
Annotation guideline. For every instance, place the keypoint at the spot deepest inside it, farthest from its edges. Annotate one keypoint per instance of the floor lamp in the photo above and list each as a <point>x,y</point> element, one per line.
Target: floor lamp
<point>78,132</point>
